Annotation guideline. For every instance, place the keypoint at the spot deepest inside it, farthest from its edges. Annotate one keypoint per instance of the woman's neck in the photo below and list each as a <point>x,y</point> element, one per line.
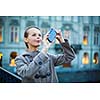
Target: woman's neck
<point>30,49</point>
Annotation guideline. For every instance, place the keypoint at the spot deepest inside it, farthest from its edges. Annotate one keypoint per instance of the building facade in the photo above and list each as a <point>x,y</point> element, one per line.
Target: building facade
<point>83,33</point>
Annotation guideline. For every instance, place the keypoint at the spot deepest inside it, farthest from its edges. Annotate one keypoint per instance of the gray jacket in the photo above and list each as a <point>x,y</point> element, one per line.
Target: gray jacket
<point>38,67</point>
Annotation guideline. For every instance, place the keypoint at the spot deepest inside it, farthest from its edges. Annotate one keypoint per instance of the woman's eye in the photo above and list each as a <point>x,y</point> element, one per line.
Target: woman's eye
<point>33,34</point>
<point>39,34</point>
<point>36,35</point>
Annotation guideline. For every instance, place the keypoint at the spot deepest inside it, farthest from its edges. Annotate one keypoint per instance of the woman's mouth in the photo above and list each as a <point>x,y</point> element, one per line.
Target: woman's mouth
<point>38,41</point>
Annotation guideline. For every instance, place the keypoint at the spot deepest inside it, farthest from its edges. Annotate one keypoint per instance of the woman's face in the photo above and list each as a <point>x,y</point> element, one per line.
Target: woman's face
<point>34,37</point>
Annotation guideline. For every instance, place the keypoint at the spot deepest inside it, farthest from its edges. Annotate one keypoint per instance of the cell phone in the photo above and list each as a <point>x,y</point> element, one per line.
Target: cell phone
<point>52,35</point>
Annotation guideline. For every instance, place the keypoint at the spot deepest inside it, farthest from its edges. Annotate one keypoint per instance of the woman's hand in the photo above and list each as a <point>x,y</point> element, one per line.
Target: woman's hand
<point>46,43</point>
<point>59,36</point>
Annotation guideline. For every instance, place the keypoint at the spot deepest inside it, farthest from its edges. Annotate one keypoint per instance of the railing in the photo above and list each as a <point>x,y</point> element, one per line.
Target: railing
<point>78,75</point>
<point>8,77</point>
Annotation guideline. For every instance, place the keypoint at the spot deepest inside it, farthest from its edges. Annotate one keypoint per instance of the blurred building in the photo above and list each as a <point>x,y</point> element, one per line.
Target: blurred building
<point>83,33</point>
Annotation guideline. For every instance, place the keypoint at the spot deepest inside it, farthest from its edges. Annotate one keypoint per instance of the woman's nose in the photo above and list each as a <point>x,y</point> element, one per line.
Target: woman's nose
<point>38,37</point>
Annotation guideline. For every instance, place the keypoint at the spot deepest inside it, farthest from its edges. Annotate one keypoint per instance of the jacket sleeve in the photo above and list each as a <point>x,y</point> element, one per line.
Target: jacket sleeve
<point>25,69</point>
<point>67,56</point>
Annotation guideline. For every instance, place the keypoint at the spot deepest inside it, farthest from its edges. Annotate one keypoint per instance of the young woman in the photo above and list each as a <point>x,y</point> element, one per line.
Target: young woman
<point>38,66</point>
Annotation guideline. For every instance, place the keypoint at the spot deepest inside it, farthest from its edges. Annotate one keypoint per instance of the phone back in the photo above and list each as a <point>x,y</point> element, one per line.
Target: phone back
<point>52,35</point>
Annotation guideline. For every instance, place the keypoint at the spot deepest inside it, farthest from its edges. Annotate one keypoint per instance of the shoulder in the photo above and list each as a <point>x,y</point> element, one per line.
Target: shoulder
<point>19,57</point>
<point>22,56</point>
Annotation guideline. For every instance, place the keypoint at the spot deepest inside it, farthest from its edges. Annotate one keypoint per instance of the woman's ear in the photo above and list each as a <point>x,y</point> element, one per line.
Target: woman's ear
<point>25,40</point>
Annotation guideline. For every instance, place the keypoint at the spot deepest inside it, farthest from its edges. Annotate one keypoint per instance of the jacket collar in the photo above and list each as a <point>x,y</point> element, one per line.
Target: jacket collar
<point>33,53</point>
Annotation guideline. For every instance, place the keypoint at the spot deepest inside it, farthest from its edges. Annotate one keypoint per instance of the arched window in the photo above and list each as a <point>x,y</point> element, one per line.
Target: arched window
<point>1,29</point>
<point>14,31</point>
<point>12,58</point>
<point>67,30</point>
<point>85,59</point>
<point>85,36</point>
<point>1,55</point>
<point>44,30</point>
<point>1,33</point>
<point>96,58</point>
<point>14,34</point>
<point>85,39</point>
<point>67,33</point>
<point>45,27</point>
<point>96,35</point>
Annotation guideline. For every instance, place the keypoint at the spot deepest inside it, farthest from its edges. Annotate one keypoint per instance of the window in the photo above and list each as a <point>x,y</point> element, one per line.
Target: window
<point>96,35</point>
<point>1,33</point>
<point>96,38</point>
<point>67,28</point>
<point>67,18</point>
<point>1,55</point>
<point>30,23</point>
<point>57,25</point>
<point>44,30</point>
<point>44,17</point>
<point>85,36</point>
<point>85,59</point>
<point>45,27</point>
<point>14,34</point>
<point>45,24</point>
<point>85,39</point>
<point>58,18</point>
<point>1,29</point>
<point>12,58</point>
<point>53,18</point>
<point>95,19</point>
<point>85,19</point>
<point>75,18</point>
<point>67,34</point>
<point>96,58</point>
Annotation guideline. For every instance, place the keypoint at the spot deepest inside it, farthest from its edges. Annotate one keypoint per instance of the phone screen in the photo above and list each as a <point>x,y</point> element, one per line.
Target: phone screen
<point>52,35</point>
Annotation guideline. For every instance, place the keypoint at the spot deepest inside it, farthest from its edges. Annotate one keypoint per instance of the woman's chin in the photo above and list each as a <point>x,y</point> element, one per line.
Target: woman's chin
<point>37,45</point>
